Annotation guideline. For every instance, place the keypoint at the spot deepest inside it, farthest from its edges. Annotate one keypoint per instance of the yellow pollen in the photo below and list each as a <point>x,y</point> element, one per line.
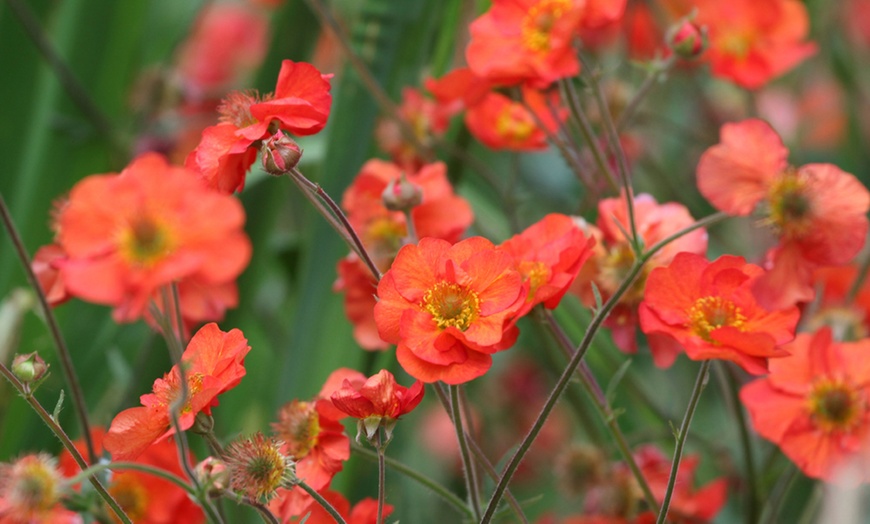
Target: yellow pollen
<point>790,206</point>
<point>736,44</point>
<point>834,406</point>
<point>299,427</point>
<point>539,22</point>
<point>131,496</point>
<point>145,242</point>
<point>513,125</point>
<point>537,273</point>
<point>451,305</point>
<point>711,313</point>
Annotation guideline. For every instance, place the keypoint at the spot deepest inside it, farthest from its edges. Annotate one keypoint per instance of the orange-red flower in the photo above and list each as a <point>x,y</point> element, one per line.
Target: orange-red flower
<point>612,257</point>
<point>145,498</point>
<point>128,235</point>
<point>31,491</point>
<point>214,363</point>
<point>814,406</point>
<point>447,307</point>
<point>549,254</point>
<point>753,42</point>
<point>526,41</point>
<point>364,512</point>
<point>300,106</point>
<point>501,123</point>
<point>377,401</point>
<point>708,309</point>
<point>46,267</point>
<point>818,211</point>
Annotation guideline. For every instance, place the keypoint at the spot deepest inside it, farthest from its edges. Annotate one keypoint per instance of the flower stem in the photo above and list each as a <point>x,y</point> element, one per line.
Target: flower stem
<point>66,364</point>
<point>471,482</point>
<point>700,383</point>
<point>382,477</point>
<point>323,502</point>
<point>421,479</point>
<point>65,440</point>
<point>654,74</point>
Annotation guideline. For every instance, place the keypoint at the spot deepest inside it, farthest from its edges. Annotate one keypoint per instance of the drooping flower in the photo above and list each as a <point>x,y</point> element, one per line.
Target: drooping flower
<point>526,41</point>
<point>31,490</point>
<point>379,401</point>
<point>709,310</point>
<point>257,467</point>
<point>549,254</point>
<point>145,498</point>
<point>300,105</point>
<point>45,266</point>
<point>448,307</point>
<point>754,42</point>
<point>613,256</point>
<point>214,363</point>
<point>127,235</point>
<point>440,214</point>
<point>814,406</point>
<point>817,210</point>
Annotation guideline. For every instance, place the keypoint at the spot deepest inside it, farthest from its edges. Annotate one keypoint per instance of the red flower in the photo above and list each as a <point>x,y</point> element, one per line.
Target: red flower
<point>364,512</point>
<point>145,498</point>
<point>708,309</point>
<point>46,267</point>
<point>447,307</point>
<point>548,255</point>
<point>378,400</point>
<point>613,257</point>
<point>753,42</point>
<point>300,106</point>
<point>214,363</point>
<point>818,211</point>
<point>501,123</point>
<point>128,235</point>
<point>526,41</point>
<point>814,406</point>
<point>31,491</point>
<point>425,117</point>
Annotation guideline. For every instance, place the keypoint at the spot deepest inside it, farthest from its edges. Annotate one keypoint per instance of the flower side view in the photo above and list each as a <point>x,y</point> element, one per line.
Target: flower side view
<point>708,309</point>
<point>448,307</point>
<point>814,406</point>
<point>377,401</point>
<point>214,362</point>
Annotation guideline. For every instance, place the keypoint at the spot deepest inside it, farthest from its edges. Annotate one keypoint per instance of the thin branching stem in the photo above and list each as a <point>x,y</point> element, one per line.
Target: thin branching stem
<point>728,381</point>
<point>66,363</point>
<point>471,482</point>
<point>323,502</point>
<point>654,74</point>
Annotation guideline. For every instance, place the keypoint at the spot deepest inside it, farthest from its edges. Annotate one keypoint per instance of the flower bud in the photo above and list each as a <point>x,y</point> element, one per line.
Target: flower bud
<point>280,154</point>
<point>401,195</point>
<point>212,473</point>
<point>29,368</point>
<point>687,40</point>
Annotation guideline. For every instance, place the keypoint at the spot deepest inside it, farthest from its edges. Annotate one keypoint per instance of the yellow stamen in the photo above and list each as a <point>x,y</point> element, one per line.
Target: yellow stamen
<point>452,305</point>
<point>711,313</point>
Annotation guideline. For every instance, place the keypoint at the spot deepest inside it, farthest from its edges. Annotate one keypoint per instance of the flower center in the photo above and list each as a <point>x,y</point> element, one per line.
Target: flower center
<point>790,206</point>
<point>834,406</point>
<point>537,273</point>
<point>35,487</point>
<point>452,305</point>
<point>711,313</point>
<point>736,44</point>
<point>169,389</point>
<point>132,496</point>
<point>299,427</point>
<point>513,124</point>
<point>539,22</point>
<point>235,108</point>
<point>145,242</point>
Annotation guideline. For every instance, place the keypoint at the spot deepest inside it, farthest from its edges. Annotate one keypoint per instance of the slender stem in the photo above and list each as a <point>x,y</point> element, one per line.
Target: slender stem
<point>704,222</point>
<point>265,513</point>
<point>345,229</point>
<point>66,363</point>
<point>382,477</point>
<point>323,502</point>
<point>654,74</point>
<point>471,482</point>
<point>770,513</point>
<point>729,384</point>
<point>124,465</point>
<point>65,440</point>
<point>487,466</point>
<point>589,383</point>
<point>700,383</point>
<point>449,497</point>
<point>179,319</point>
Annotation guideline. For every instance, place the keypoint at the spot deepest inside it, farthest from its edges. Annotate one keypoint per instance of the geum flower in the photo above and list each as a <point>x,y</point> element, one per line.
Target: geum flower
<point>377,401</point>
<point>31,489</point>
<point>300,105</point>
<point>549,254</point>
<point>214,363</point>
<point>449,307</point>
<point>708,309</point>
<point>127,235</point>
<point>817,210</point>
<point>814,406</point>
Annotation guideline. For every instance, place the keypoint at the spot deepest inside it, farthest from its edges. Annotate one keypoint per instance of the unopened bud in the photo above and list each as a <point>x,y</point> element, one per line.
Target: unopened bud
<point>213,474</point>
<point>280,154</point>
<point>401,195</point>
<point>687,40</point>
<point>29,368</point>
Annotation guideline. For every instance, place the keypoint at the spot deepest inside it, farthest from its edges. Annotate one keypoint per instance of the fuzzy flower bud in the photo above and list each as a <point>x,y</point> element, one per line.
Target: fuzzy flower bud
<point>30,490</point>
<point>280,154</point>
<point>212,473</point>
<point>687,40</point>
<point>401,195</point>
<point>257,468</point>
<point>29,368</point>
